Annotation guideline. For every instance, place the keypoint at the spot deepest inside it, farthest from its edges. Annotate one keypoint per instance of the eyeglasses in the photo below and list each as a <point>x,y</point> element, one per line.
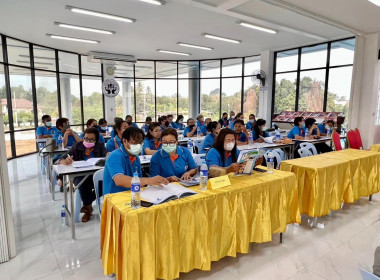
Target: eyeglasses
<point>170,144</point>
<point>89,140</point>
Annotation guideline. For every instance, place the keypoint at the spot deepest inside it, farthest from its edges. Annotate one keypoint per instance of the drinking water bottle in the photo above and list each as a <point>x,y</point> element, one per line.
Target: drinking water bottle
<point>135,191</point>
<point>270,163</point>
<point>273,126</point>
<point>329,132</point>
<point>306,133</point>
<point>63,215</point>
<point>278,135</point>
<point>250,138</point>
<point>204,176</point>
<point>60,142</point>
<point>190,145</point>
<point>198,131</point>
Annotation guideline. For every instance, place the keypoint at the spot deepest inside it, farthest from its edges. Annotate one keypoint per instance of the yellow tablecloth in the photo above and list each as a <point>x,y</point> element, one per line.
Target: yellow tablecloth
<point>327,180</point>
<point>375,148</point>
<point>189,233</point>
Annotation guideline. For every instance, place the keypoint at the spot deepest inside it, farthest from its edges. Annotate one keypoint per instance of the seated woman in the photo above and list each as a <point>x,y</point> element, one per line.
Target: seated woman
<point>128,119</point>
<point>152,142</point>
<point>251,122</point>
<point>145,127</point>
<point>89,148</point>
<point>324,127</point>
<point>163,121</point>
<point>178,124</point>
<point>171,161</point>
<point>69,136</point>
<point>213,128</point>
<point>191,129</point>
<point>310,124</point>
<point>258,130</point>
<point>241,132</point>
<point>298,130</point>
<point>93,123</point>
<point>123,162</point>
<point>103,127</point>
<point>115,142</point>
<point>239,116</point>
<point>224,152</point>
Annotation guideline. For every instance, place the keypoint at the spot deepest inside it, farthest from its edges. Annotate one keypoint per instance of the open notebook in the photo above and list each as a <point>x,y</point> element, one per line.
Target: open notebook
<point>158,195</point>
<point>86,163</point>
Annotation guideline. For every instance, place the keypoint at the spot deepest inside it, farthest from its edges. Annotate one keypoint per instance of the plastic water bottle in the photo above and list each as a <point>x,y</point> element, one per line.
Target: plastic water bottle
<point>63,215</point>
<point>135,191</point>
<point>107,132</point>
<point>273,126</point>
<point>278,135</point>
<point>250,138</point>
<point>329,132</point>
<point>190,145</point>
<point>198,131</point>
<point>344,131</point>
<point>306,133</point>
<point>204,176</point>
<point>60,142</point>
<point>270,162</point>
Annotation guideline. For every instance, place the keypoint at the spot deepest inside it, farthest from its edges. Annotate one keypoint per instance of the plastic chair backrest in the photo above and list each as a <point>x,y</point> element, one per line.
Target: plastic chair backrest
<point>309,147</point>
<point>199,144</point>
<point>276,155</point>
<point>199,159</point>
<point>353,141</point>
<point>368,275</point>
<point>359,138</point>
<point>304,152</point>
<point>98,176</point>
<point>336,141</point>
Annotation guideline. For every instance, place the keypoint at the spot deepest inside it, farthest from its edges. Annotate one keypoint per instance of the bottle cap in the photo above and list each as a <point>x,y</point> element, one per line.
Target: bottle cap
<point>136,174</point>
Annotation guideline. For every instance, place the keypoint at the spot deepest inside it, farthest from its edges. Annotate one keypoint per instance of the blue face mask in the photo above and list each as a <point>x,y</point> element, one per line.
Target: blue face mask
<point>103,128</point>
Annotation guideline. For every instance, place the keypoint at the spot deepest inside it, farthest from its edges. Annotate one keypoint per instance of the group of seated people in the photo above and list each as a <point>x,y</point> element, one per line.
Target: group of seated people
<point>170,162</point>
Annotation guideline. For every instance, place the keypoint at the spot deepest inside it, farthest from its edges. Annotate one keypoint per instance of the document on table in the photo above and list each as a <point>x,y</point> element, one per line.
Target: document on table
<point>86,163</point>
<point>158,195</point>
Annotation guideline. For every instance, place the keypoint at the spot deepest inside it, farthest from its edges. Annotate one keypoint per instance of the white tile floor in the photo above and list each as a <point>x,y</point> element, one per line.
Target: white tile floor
<point>336,249</point>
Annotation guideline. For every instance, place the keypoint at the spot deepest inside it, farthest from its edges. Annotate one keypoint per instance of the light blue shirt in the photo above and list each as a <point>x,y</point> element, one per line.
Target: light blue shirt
<point>70,140</point>
<point>296,131</point>
<point>255,137</point>
<point>44,130</point>
<point>149,143</point>
<point>213,157</point>
<point>110,146</point>
<point>118,163</point>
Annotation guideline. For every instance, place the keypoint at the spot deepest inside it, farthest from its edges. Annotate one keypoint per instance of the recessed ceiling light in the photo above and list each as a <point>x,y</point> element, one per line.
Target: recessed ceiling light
<point>99,14</point>
<point>172,52</point>
<point>376,2</point>
<point>72,39</point>
<point>82,28</point>
<point>154,2</point>
<point>195,46</point>
<point>221,38</point>
<point>250,25</point>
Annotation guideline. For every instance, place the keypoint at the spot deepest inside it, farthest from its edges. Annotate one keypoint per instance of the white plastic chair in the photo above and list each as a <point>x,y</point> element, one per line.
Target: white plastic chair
<point>304,152</point>
<point>368,275</point>
<point>309,147</point>
<point>276,155</point>
<point>199,159</point>
<point>98,176</point>
<point>199,144</point>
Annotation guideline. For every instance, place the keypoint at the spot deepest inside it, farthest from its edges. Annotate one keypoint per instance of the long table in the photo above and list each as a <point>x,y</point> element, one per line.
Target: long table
<point>190,233</point>
<point>327,180</point>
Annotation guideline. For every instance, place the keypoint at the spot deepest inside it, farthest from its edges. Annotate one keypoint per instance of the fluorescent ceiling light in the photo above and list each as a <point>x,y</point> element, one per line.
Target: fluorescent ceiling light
<point>250,25</point>
<point>195,46</point>
<point>72,39</point>
<point>99,14</point>
<point>221,38</point>
<point>172,52</point>
<point>82,28</point>
<point>154,2</point>
<point>376,2</point>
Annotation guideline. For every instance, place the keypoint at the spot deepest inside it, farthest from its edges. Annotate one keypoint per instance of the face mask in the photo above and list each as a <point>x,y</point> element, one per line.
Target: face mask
<point>166,123</point>
<point>103,128</point>
<point>252,121</point>
<point>48,124</point>
<point>135,149</point>
<point>225,118</point>
<point>302,124</point>
<point>327,127</point>
<point>88,145</point>
<point>201,120</point>
<point>129,122</point>
<point>181,121</point>
<point>168,148</point>
<point>263,128</point>
<point>191,126</point>
<point>229,146</point>
<point>232,117</point>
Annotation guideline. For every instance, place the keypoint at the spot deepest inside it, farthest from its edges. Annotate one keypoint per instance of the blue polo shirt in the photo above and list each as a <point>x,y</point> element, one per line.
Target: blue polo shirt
<point>161,163</point>
<point>204,130</point>
<point>296,131</point>
<point>241,137</point>
<point>201,123</point>
<point>118,163</point>
<point>255,137</point>
<point>232,124</point>
<point>110,146</point>
<point>145,128</point>
<point>213,157</point>
<point>174,125</point>
<point>208,142</point>
<point>322,128</point>
<point>180,126</point>
<point>44,130</point>
<point>70,140</point>
<point>249,125</point>
<point>101,130</point>
<point>149,143</point>
<point>187,130</point>
<point>134,125</point>
<point>101,138</point>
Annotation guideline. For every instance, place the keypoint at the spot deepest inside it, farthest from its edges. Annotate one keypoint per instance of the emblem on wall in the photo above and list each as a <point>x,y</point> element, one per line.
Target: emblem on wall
<point>110,88</point>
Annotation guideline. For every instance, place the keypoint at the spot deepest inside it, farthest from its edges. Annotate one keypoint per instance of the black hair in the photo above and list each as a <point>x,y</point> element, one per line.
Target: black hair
<point>256,127</point>
<point>148,119</point>
<point>211,126</point>
<point>219,144</point>
<point>330,121</point>
<point>89,122</point>
<point>161,119</point>
<point>297,121</point>
<point>133,132</point>
<point>169,116</point>
<point>238,115</point>
<point>309,122</point>
<point>152,126</point>
<point>189,119</point>
<point>102,121</point>
<point>239,121</point>
<point>128,116</point>
<point>117,119</point>
<point>60,122</point>
<point>224,113</point>
<point>45,117</point>
<point>118,124</point>
<point>169,131</point>
<point>179,117</point>
<point>252,115</point>
<point>93,131</point>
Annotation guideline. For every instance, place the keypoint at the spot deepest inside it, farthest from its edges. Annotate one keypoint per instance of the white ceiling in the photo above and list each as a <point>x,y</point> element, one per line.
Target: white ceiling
<point>161,27</point>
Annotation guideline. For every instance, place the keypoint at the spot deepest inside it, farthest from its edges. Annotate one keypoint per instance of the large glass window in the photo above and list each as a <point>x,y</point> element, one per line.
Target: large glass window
<point>285,92</point>
<point>251,98</point>
<point>342,52</point>
<point>166,69</point>
<point>287,61</point>
<point>44,58</point>
<point>188,69</point>
<point>125,100</point>
<point>18,52</point>
<point>232,67</point>
<point>90,68</point>
<point>184,87</point>
<point>210,98</point>
<point>210,69</point>
<point>338,97</point>
<point>144,69</point>
<point>312,90</point>
<point>3,92</point>
<point>25,142</point>
<point>166,97</point>
<point>68,62</point>
<point>47,97</point>
<point>231,94</point>
<point>1,51</point>
<point>92,98</point>
<point>70,98</point>
<point>251,64</point>
<point>314,57</point>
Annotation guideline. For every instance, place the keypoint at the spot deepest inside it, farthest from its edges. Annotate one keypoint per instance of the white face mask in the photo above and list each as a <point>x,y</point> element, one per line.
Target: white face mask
<point>135,149</point>
<point>229,146</point>
<point>327,127</point>
<point>251,120</point>
<point>263,128</point>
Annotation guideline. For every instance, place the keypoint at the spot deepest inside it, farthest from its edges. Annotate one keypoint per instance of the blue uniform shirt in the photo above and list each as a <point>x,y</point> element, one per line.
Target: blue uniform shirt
<point>101,130</point>
<point>161,163</point>
<point>249,125</point>
<point>241,137</point>
<point>70,140</point>
<point>255,137</point>
<point>322,128</point>
<point>101,138</point>
<point>232,124</point>
<point>145,128</point>
<point>43,130</point>
<point>208,142</point>
<point>213,158</point>
<point>149,143</point>
<point>186,131</point>
<point>118,163</point>
<point>180,126</point>
<point>110,146</point>
<point>174,125</point>
<point>296,131</point>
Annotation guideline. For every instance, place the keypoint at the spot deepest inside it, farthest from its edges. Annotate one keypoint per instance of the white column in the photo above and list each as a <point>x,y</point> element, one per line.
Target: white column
<point>365,88</point>
<point>265,95</point>
<point>109,102</point>
<point>194,102</point>
<point>127,98</point>
<point>65,86</point>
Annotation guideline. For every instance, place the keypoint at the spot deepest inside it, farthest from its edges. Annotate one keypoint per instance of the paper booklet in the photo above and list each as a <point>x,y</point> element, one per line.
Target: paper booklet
<point>247,159</point>
<point>86,163</point>
<point>158,195</point>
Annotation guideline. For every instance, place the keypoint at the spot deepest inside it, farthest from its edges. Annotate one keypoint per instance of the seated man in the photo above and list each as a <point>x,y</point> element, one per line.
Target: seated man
<point>324,127</point>
<point>128,119</point>
<point>69,136</point>
<point>191,129</point>
<point>46,131</point>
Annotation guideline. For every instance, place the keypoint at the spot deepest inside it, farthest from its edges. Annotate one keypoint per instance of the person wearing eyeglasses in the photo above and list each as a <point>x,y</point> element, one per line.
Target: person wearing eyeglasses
<point>152,142</point>
<point>115,142</point>
<point>46,131</point>
<point>123,162</point>
<point>90,147</point>
<point>93,123</point>
<point>214,129</point>
<point>69,136</point>
<point>172,162</point>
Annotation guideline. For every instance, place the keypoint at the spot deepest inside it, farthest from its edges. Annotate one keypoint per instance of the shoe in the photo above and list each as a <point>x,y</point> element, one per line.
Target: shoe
<point>87,210</point>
